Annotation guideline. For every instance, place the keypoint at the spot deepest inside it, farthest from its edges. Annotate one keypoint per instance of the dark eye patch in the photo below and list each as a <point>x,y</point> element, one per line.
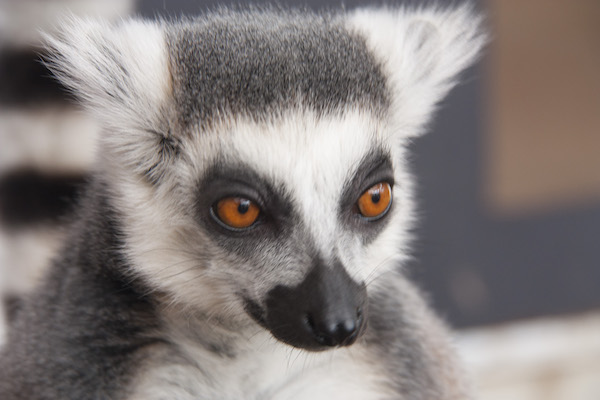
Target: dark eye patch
<point>240,181</point>
<point>375,167</point>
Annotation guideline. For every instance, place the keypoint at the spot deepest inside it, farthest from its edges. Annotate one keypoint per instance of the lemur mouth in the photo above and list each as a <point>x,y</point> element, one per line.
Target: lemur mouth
<point>255,311</point>
<point>327,309</point>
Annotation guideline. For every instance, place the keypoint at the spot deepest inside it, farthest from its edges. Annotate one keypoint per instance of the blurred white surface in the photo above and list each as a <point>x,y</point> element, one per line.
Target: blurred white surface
<point>545,359</point>
<point>51,139</point>
<point>22,21</point>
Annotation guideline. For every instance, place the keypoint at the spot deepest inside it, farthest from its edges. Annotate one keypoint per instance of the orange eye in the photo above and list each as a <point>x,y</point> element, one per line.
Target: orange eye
<point>375,202</point>
<point>237,212</point>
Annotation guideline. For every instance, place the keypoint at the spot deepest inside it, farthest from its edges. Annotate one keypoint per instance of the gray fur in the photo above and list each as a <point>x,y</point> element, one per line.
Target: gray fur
<point>79,335</point>
<point>257,63</point>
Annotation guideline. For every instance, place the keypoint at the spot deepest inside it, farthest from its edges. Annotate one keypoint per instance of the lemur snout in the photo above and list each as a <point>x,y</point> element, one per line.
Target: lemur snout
<point>339,329</point>
<point>327,309</point>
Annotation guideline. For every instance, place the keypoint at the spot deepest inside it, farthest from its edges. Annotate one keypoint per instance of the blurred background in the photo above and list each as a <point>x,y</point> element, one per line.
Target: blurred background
<point>509,184</point>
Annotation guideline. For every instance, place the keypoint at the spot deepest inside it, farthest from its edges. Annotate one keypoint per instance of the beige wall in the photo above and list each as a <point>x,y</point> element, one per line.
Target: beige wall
<point>543,142</point>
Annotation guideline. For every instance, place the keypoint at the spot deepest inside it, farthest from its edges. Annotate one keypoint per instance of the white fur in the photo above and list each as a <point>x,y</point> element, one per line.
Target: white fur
<point>116,69</point>
<point>121,74</point>
<point>422,51</point>
<point>262,369</point>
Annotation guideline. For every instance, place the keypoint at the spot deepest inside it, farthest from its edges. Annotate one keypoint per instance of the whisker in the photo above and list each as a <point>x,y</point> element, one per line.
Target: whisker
<point>375,273</point>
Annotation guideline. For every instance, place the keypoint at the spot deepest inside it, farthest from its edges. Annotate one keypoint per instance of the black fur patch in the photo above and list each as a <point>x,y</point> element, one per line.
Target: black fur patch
<point>257,63</point>
<point>29,197</point>
<point>277,216</point>
<point>25,81</point>
<point>168,149</point>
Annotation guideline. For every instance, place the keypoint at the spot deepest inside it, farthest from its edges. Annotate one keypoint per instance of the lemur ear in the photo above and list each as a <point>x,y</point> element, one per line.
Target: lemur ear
<point>422,51</point>
<point>120,73</point>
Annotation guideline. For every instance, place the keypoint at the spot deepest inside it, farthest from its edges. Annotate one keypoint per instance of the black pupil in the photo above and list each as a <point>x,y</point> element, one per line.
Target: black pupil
<point>375,196</point>
<point>244,206</point>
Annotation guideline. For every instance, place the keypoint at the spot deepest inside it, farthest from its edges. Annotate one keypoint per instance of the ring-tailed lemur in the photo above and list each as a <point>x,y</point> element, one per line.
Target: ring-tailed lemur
<point>251,205</point>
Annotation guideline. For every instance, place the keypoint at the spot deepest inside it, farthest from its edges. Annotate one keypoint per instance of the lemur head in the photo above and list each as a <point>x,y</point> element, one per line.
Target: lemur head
<point>257,158</point>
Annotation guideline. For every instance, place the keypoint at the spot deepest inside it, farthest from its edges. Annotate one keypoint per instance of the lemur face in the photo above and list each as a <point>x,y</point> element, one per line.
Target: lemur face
<point>301,214</point>
<point>257,158</point>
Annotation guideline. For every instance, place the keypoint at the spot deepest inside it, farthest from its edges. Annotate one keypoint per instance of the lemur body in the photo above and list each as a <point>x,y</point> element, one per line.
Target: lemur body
<point>251,207</point>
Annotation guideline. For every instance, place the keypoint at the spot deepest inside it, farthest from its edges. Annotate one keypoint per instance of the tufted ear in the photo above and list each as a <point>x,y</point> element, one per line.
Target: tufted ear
<point>121,74</point>
<point>422,52</point>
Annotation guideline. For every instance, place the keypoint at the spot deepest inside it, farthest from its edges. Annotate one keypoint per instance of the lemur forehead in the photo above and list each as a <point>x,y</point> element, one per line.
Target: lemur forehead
<point>259,63</point>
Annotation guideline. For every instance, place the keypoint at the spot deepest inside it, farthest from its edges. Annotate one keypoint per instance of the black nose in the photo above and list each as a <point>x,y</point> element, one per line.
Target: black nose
<point>327,309</point>
<point>340,331</point>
